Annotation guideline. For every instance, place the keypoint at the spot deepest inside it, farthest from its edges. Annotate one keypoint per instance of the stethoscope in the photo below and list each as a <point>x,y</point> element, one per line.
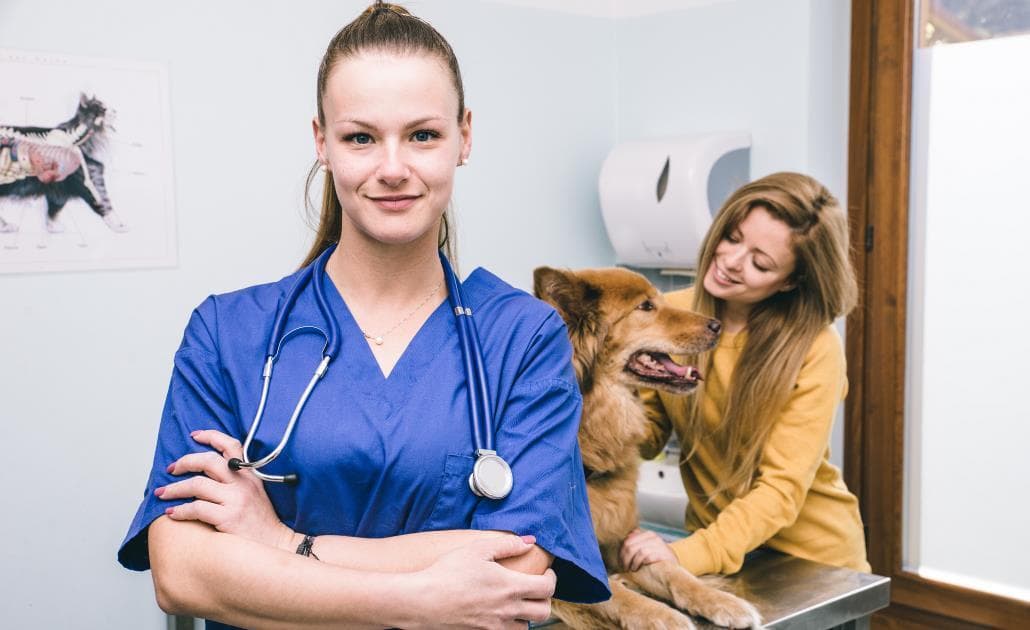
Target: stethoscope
<point>491,476</point>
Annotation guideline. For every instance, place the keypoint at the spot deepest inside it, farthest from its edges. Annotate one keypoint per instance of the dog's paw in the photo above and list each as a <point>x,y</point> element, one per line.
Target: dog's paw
<point>661,618</point>
<point>7,228</point>
<point>644,613</point>
<point>54,226</point>
<point>728,610</point>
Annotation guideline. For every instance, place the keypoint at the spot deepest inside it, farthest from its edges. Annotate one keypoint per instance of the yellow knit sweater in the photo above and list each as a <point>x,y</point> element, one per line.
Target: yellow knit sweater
<point>798,503</point>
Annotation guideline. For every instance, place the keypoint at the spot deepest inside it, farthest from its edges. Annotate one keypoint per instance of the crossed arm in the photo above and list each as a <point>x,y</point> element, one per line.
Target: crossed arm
<point>227,556</point>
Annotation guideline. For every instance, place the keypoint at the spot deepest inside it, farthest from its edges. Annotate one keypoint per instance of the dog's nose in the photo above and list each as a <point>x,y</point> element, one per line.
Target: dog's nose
<point>714,326</point>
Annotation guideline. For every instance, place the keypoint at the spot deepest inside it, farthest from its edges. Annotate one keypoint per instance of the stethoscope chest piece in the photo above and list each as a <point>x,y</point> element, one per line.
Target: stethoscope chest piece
<point>491,476</point>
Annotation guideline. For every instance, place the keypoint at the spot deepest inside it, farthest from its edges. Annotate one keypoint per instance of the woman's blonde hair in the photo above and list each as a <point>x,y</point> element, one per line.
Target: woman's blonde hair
<point>781,328</point>
<point>381,27</point>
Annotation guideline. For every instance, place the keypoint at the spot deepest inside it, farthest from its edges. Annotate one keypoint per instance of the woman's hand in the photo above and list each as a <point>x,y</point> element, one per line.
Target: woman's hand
<point>644,547</point>
<point>467,588</point>
<point>231,502</point>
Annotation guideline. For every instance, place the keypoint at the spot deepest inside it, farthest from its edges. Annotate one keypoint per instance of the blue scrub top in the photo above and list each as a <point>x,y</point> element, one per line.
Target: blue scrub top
<point>380,456</point>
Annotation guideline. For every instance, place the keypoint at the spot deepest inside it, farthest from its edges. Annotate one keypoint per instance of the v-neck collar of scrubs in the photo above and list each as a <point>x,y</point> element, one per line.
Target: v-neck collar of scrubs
<point>356,357</point>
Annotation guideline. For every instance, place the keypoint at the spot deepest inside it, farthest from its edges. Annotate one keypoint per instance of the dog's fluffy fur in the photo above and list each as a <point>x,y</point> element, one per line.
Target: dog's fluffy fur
<point>622,334</point>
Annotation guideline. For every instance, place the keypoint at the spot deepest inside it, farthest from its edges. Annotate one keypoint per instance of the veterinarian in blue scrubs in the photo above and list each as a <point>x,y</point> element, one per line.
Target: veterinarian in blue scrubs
<point>382,528</point>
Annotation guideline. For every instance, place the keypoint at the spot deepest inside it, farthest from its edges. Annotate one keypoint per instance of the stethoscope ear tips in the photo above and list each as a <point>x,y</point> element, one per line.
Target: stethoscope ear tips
<point>235,464</point>
<point>291,480</point>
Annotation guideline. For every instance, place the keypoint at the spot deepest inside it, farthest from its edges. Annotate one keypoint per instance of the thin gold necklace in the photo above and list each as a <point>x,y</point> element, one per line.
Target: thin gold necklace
<point>378,339</point>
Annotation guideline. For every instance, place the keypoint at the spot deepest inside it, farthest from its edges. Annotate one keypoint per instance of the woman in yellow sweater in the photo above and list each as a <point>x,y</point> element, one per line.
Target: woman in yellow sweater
<point>775,270</point>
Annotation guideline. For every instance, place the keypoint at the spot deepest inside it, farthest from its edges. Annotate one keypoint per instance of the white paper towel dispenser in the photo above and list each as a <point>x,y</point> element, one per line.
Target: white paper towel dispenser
<point>658,196</point>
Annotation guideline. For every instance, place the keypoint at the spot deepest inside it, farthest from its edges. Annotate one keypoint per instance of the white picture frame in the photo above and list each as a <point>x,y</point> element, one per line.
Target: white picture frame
<point>60,115</point>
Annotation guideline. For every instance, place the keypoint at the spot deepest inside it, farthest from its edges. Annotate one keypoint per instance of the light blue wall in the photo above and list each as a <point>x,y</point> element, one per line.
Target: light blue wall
<point>775,68</point>
<point>542,91</point>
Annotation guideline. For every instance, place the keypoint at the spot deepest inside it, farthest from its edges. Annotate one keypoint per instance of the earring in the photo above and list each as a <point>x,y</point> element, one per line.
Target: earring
<point>321,166</point>
<point>463,161</point>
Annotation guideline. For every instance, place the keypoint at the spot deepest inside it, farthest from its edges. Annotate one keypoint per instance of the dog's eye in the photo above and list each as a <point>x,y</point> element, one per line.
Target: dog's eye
<point>646,305</point>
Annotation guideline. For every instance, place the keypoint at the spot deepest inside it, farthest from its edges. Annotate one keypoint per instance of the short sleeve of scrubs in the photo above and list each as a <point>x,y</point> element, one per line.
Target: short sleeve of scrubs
<point>537,434</point>
<point>197,399</point>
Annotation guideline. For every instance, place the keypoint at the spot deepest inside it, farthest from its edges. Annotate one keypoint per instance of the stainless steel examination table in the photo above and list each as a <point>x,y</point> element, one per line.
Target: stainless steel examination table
<point>795,594</point>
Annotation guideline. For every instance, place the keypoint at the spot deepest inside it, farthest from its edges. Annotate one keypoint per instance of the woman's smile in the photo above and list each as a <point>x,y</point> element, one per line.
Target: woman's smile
<point>721,277</point>
<point>394,202</point>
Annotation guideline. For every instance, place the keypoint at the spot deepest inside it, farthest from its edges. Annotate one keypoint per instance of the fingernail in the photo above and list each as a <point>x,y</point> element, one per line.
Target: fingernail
<point>171,467</point>
<point>194,433</point>
<point>528,539</point>
<point>169,511</point>
<point>159,491</point>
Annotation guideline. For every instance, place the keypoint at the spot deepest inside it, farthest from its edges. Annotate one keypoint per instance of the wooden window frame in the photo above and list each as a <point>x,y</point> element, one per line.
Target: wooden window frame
<point>882,33</point>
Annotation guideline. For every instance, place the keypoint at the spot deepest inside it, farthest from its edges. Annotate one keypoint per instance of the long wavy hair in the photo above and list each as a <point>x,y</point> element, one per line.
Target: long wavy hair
<point>781,328</point>
<point>381,27</point>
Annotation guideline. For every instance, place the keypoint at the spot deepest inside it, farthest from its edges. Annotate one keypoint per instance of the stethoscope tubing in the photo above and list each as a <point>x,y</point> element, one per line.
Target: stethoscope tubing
<point>275,343</point>
<point>472,358</point>
<point>479,405</point>
<point>484,393</point>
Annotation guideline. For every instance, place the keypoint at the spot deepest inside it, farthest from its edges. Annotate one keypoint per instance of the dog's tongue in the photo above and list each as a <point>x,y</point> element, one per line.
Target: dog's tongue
<point>679,370</point>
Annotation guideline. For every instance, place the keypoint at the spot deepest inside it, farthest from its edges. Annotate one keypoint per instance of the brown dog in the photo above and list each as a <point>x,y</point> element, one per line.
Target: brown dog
<point>622,334</point>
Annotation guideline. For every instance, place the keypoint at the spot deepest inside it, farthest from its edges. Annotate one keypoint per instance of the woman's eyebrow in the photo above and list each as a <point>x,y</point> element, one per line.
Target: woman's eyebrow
<point>368,125</point>
<point>354,121</point>
<point>422,121</point>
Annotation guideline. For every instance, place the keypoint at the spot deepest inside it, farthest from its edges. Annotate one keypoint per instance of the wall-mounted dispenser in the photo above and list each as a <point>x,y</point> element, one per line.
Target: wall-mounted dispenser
<point>658,196</point>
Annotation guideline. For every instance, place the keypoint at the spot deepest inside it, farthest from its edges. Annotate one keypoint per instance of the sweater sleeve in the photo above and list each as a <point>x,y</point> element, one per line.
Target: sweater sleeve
<point>791,456</point>
<point>659,426</point>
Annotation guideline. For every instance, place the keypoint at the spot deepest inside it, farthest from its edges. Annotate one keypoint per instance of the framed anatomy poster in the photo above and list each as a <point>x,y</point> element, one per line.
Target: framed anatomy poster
<point>85,164</point>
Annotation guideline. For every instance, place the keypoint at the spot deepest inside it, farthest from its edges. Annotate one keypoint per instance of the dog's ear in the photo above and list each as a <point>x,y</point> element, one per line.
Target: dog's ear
<point>578,303</point>
<point>574,298</point>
